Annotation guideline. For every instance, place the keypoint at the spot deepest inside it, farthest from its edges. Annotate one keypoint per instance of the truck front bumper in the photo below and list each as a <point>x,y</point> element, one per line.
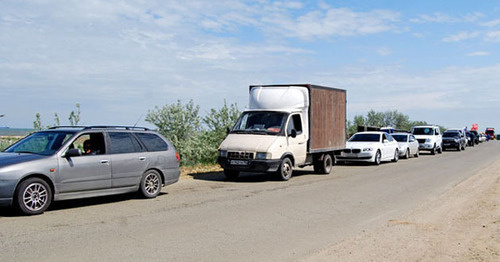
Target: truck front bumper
<point>250,165</point>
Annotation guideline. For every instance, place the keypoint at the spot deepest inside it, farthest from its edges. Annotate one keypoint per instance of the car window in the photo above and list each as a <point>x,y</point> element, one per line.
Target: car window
<point>389,137</point>
<point>43,143</point>
<point>90,144</point>
<point>295,123</point>
<point>122,142</point>
<point>152,142</point>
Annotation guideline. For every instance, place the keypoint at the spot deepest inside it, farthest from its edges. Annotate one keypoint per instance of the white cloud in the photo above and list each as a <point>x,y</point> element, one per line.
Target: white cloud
<point>492,23</point>
<point>434,18</point>
<point>335,22</point>
<point>479,53</point>
<point>461,36</point>
<point>493,36</point>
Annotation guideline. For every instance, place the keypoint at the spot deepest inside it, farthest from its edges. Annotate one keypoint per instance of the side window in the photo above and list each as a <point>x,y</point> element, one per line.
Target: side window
<point>295,123</point>
<point>90,144</point>
<point>437,131</point>
<point>122,142</point>
<point>389,137</point>
<point>152,142</point>
<point>384,137</point>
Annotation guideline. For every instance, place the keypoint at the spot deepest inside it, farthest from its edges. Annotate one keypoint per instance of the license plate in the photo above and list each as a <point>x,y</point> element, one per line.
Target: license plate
<point>238,162</point>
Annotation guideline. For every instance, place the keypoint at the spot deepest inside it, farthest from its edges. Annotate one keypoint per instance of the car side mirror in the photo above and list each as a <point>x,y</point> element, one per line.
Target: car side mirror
<point>386,141</point>
<point>293,134</point>
<point>73,152</point>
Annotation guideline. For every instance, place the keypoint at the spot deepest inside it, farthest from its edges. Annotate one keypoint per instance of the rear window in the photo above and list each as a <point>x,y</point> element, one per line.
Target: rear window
<point>152,142</point>
<point>122,142</point>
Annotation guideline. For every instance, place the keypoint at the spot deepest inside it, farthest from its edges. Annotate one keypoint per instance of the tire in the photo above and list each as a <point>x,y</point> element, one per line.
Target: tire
<point>231,174</point>
<point>440,149</point>
<point>324,166</point>
<point>396,156</point>
<point>459,148</point>
<point>417,153</point>
<point>33,196</point>
<point>378,157</point>
<point>151,184</point>
<point>407,154</point>
<point>285,171</point>
<point>433,151</point>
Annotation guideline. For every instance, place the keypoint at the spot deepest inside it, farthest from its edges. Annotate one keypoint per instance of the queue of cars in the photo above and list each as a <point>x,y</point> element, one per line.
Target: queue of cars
<point>78,162</point>
<point>388,145</point>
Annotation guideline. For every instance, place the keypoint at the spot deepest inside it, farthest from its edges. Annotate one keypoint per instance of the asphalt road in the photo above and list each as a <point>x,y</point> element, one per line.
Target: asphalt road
<point>256,218</point>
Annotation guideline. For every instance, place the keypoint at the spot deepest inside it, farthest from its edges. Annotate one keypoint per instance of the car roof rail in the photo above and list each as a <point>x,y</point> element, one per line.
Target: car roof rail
<point>61,127</point>
<point>119,127</point>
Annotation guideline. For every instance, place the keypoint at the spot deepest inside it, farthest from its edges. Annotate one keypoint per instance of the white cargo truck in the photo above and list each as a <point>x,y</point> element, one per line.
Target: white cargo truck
<point>286,126</point>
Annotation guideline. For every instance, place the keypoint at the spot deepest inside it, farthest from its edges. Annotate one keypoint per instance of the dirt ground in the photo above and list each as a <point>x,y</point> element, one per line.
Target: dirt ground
<point>461,225</point>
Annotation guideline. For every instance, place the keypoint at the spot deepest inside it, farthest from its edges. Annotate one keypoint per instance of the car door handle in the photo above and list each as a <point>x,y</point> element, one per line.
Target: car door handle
<point>142,158</point>
<point>104,161</point>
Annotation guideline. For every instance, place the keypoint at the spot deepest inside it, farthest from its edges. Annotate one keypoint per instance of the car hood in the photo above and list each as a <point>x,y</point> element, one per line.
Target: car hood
<point>7,159</point>
<point>245,142</point>
<point>362,144</point>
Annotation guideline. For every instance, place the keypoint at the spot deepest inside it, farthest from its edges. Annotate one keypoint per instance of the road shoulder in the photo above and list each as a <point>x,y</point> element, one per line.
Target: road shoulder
<point>463,224</point>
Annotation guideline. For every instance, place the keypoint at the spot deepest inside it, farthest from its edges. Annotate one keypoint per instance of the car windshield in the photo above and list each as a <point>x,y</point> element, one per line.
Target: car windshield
<point>261,122</point>
<point>451,134</point>
<point>42,143</point>
<point>401,138</point>
<point>365,138</point>
<point>423,131</point>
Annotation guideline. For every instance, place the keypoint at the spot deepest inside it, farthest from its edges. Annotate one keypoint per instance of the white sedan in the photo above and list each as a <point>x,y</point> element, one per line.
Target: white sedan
<point>371,147</point>
<point>408,144</point>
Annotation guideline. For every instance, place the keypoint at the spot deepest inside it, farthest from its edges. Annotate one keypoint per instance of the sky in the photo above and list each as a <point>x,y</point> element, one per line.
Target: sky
<point>435,61</point>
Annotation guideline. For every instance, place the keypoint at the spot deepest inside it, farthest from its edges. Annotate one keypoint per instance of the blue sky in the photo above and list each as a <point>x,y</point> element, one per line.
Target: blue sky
<point>436,61</point>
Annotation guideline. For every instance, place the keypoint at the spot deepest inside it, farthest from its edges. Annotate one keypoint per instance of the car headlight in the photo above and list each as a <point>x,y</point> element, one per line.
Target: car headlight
<point>456,140</point>
<point>368,149</point>
<point>263,155</point>
<point>223,153</point>
<point>427,140</point>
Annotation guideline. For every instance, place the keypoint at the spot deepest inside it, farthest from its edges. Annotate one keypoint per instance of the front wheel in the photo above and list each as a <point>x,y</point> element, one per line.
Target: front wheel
<point>378,158</point>
<point>407,154</point>
<point>151,184</point>
<point>33,196</point>
<point>417,153</point>
<point>285,170</point>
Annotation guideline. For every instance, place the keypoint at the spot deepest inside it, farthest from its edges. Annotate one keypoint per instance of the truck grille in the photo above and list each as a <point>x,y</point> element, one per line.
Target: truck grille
<point>421,141</point>
<point>239,155</point>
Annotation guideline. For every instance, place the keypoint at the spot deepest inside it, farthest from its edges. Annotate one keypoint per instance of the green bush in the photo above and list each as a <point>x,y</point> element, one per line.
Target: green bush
<point>195,138</point>
<point>7,141</point>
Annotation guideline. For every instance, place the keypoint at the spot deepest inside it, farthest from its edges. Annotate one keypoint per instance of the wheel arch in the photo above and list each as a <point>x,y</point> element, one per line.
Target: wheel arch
<point>159,172</point>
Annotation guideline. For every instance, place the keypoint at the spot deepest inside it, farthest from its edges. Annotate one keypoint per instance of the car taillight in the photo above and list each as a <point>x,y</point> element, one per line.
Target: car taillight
<point>178,157</point>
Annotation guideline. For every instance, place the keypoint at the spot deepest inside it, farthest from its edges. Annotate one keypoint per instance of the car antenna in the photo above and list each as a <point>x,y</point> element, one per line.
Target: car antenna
<point>138,120</point>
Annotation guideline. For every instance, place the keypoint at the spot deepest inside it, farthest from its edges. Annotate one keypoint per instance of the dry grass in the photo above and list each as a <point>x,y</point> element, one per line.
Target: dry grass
<point>189,171</point>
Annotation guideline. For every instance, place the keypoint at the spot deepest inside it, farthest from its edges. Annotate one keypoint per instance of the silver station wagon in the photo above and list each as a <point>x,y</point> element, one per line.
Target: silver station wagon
<point>77,162</point>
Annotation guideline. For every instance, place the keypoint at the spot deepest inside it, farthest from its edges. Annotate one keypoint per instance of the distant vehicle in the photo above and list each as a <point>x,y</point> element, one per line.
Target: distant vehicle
<point>490,132</point>
<point>482,138</point>
<point>408,144</point>
<point>286,126</point>
<point>472,138</point>
<point>454,139</point>
<point>373,147</point>
<point>78,162</point>
<point>429,138</point>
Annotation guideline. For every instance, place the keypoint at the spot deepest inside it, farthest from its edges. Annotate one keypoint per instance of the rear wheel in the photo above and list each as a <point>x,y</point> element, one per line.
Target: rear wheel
<point>151,184</point>
<point>396,156</point>
<point>325,165</point>
<point>33,196</point>
<point>285,170</point>
<point>231,174</point>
